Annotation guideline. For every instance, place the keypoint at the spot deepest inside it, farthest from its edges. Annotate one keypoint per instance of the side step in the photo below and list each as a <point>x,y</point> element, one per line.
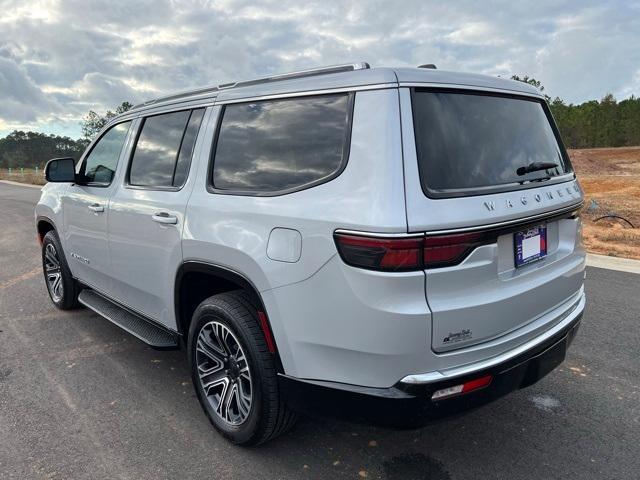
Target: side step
<point>137,326</point>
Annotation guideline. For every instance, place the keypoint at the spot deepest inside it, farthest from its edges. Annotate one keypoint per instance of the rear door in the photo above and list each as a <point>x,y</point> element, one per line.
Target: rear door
<point>147,213</point>
<point>489,182</point>
<point>86,211</point>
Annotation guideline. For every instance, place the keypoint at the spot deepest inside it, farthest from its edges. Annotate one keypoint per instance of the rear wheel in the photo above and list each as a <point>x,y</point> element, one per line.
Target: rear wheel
<point>62,287</point>
<point>234,373</point>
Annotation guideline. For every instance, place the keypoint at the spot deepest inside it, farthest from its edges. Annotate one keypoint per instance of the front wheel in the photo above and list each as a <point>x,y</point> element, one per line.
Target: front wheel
<point>62,287</point>
<point>234,373</point>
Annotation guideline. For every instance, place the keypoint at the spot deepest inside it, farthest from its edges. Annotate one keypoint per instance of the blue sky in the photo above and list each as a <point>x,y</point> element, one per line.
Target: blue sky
<point>59,59</point>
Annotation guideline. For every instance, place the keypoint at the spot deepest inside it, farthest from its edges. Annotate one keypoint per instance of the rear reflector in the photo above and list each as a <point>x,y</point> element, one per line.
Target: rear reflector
<point>266,331</point>
<point>462,388</point>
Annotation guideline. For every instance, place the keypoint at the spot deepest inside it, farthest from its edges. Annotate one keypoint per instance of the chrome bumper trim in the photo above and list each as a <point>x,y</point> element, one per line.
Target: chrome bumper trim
<point>430,377</point>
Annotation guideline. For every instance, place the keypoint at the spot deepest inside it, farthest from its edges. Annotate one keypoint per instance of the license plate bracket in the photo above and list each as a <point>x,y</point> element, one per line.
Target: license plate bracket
<point>530,245</point>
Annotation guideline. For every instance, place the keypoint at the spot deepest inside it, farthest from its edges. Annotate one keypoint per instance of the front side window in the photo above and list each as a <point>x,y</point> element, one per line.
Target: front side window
<point>162,154</point>
<point>100,164</point>
<point>275,146</point>
<point>469,142</point>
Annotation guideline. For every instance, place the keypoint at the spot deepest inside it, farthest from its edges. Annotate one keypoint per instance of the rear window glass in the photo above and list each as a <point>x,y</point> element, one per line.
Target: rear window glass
<point>279,145</point>
<point>472,143</point>
<point>155,154</point>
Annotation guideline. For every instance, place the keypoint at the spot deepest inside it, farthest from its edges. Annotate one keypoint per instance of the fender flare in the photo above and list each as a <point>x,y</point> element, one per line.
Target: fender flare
<point>228,274</point>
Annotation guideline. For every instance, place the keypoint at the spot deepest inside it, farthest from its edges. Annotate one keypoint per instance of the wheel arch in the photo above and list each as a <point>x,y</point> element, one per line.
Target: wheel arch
<point>196,281</point>
<point>43,226</point>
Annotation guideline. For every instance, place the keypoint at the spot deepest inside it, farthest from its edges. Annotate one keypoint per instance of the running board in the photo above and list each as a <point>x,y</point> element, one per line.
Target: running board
<point>137,326</point>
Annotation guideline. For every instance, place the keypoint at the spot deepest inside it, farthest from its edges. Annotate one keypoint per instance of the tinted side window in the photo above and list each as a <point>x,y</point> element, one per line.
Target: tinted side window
<point>100,165</point>
<point>186,149</point>
<point>156,151</point>
<point>276,145</point>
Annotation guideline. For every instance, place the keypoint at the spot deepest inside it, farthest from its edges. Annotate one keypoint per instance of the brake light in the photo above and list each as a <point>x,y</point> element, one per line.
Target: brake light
<point>447,250</point>
<point>386,254</point>
<point>408,253</point>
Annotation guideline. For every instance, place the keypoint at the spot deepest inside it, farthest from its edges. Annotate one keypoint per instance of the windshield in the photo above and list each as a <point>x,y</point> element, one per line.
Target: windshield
<point>469,143</point>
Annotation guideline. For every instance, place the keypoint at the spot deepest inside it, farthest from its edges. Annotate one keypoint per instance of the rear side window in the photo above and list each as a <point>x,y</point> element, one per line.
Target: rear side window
<point>277,146</point>
<point>163,151</point>
<point>186,149</point>
<point>470,143</point>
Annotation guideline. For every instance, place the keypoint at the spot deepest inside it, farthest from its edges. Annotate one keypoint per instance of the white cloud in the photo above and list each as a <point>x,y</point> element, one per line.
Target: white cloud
<point>58,58</point>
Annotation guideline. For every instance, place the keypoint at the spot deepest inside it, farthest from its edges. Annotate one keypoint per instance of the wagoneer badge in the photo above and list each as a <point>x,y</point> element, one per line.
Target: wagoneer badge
<point>539,198</point>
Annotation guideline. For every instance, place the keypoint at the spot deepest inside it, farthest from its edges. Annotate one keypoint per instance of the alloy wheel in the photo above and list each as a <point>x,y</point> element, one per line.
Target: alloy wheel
<point>53,272</point>
<point>224,373</point>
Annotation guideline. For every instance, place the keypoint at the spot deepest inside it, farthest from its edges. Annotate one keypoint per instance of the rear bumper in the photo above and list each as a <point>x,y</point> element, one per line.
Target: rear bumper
<point>410,398</point>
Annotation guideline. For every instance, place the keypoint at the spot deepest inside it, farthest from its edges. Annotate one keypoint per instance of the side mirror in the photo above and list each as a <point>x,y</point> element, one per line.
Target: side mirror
<point>60,170</point>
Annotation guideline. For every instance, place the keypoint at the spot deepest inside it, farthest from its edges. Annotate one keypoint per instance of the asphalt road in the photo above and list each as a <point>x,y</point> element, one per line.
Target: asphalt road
<point>80,398</point>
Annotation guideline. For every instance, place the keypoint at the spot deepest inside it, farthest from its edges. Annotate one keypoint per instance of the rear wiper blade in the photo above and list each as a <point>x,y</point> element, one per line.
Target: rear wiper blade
<point>535,166</point>
<point>541,179</point>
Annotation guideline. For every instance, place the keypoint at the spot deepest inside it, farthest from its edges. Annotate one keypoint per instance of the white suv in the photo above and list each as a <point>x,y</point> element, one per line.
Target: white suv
<point>404,241</point>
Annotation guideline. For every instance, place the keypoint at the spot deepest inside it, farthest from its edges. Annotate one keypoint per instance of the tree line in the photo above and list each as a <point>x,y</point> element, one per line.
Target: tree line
<point>592,124</point>
<point>596,123</point>
<point>34,149</point>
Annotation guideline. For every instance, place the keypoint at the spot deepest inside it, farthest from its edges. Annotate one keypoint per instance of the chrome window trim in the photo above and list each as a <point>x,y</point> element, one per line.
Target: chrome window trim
<point>307,93</point>
<point>506,223</point>
<point>165,108</point>
<point>359,233</point>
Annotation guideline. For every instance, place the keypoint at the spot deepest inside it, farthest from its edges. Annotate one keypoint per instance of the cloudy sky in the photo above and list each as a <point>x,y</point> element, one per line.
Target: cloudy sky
<point>59,59</point>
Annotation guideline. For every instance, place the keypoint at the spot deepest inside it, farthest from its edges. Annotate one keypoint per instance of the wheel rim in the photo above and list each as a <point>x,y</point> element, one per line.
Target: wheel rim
<point>53,272</point>
<point>224,373</point>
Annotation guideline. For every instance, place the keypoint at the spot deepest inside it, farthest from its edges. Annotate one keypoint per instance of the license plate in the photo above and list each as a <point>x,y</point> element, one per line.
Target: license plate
<point>530,245</point>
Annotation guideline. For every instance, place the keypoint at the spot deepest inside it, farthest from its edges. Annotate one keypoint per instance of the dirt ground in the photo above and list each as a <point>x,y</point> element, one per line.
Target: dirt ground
<point>610,178</point>
<point>27,175</point>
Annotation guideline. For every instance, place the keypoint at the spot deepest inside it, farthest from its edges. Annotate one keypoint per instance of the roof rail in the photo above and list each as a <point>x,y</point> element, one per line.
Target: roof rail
<point>347,67</point>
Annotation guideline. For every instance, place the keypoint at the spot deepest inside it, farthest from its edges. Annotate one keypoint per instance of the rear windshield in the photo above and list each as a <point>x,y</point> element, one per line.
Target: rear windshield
<point>472,143</point>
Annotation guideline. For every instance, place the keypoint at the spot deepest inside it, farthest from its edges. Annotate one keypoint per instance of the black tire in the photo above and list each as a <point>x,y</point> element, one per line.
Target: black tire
<point>67,297</point>
<point>268,416</point>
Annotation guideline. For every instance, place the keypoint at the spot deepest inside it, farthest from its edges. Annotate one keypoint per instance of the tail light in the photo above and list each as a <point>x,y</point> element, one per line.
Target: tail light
<point>418,251</point>
<point>407,253</point>
<point>386,254</point>
<point>447,250</point>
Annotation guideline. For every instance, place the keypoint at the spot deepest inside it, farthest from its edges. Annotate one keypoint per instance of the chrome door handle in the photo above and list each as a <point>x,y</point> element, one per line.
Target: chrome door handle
<point>96,207</point>
<point>164,217</point>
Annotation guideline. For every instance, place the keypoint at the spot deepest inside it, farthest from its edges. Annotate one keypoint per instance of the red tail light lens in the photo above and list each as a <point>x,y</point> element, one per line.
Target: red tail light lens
<point>447,250</point>
<point>386,254</point>
<point>410,253</point>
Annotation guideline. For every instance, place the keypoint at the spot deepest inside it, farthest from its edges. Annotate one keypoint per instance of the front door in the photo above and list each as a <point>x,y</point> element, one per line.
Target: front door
<point>86,211</point>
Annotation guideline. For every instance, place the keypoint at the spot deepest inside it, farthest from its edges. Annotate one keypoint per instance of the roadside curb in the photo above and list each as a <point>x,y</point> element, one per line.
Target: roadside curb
<point>20,184</point>
<point>613,263</point>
